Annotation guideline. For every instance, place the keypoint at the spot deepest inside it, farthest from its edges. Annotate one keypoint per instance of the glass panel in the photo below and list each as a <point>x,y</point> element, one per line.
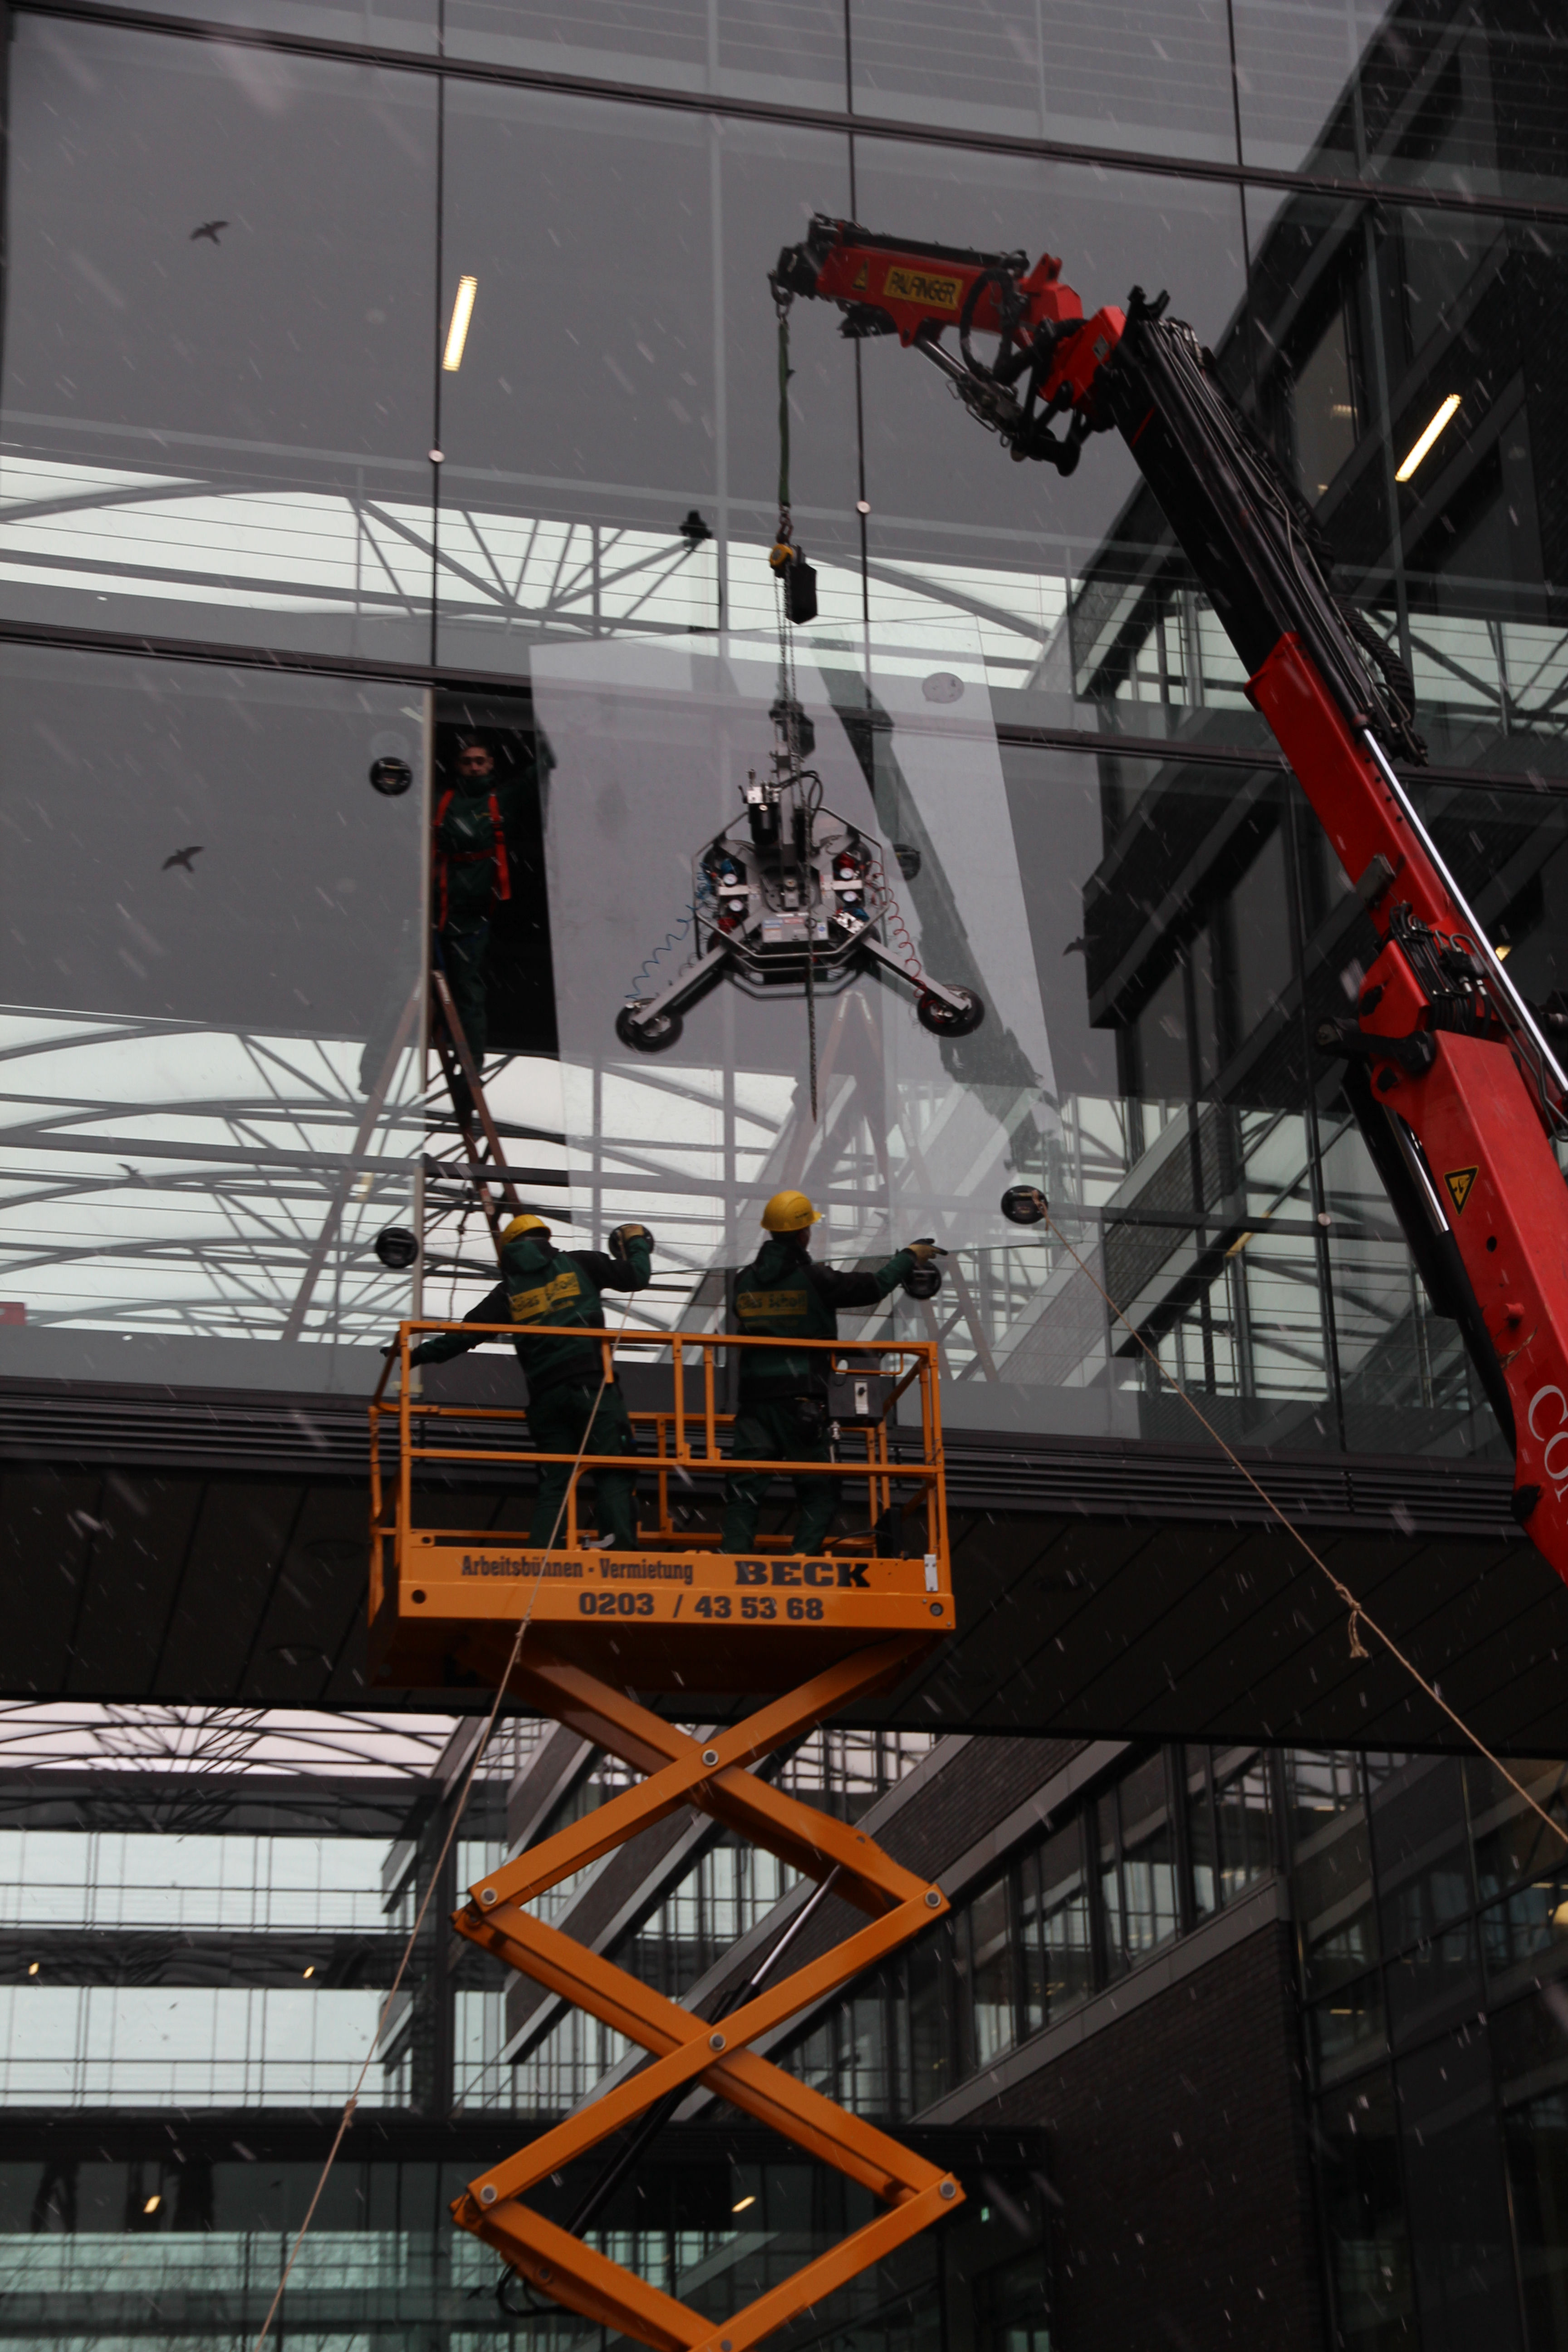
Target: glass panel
<point>216,2046</point>
<point>1201,1854</point>
<point>1463,98</point>
<point>1145,74</point>
<point>1511,1843</point>
<point>1333,1901</point>
<point>1420,1837</point>
<point>412,24</point>
<point>1242,1817</point>
<point>210,954</point>
<point>1347,2029</point>
<point>1364,2214</point>
<point>789,51</point>
<point>1455,2193</point>
<point>1057,1938</point>
<point>993,1968</point>
<point>218,427</point>
<point>864,2087</point>
<point>1536,2138</point>
<point>1049,568</point>
<point>568,487</point>
<point>1320,1785</point>
<point>1148,1858</point>
<point>930,1976</point>
<point>1108,1865</point>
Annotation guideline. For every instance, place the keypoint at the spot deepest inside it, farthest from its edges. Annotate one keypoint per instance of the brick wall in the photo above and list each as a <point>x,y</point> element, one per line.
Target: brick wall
<point>1179,2145</point>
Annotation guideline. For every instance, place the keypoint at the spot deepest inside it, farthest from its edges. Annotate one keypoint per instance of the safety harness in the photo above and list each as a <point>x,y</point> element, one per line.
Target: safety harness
<point>448,858</point>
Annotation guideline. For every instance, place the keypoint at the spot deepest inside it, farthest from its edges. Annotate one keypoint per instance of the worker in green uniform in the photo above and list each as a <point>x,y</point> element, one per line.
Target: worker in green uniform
<point>470,876</point>
<point>569,1405</point>
<point>786,1294</point>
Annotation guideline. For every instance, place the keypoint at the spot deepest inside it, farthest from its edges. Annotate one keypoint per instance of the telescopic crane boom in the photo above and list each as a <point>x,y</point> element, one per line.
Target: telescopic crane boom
<point>1459,1094</point>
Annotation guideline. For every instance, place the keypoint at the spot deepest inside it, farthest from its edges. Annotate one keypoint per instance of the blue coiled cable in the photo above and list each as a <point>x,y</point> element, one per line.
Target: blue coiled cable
<point>672,939</point>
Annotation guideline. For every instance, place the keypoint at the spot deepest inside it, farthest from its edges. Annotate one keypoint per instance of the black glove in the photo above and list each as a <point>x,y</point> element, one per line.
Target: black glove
<point>623,1234</point>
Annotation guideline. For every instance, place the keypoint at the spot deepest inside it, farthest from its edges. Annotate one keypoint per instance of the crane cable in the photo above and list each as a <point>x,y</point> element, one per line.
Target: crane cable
<point>458,1811</point>
<point>1359,1614</point>
<point>783,554</point>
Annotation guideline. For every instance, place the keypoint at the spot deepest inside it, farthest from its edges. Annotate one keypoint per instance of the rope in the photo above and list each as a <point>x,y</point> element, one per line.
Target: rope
<point>1359,1614</point>
<point>784,418</point>
<point>458,1811</point>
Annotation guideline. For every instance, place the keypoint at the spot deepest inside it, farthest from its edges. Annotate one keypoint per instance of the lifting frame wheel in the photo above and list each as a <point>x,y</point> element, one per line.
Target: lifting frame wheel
<point>863,1621</point>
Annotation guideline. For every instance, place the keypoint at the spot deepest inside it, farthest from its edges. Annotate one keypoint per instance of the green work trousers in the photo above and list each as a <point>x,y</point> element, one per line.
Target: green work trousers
<point>560,1418</point>
<point>773,1430</point>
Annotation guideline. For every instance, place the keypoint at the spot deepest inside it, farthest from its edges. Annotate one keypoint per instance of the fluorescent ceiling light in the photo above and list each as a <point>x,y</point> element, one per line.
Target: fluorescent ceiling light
<point>1449,410</point>
<point>457,332</point>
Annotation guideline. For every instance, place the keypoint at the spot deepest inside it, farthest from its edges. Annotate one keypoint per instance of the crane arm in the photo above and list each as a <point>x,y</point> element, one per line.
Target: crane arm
<point>1453,1076</point>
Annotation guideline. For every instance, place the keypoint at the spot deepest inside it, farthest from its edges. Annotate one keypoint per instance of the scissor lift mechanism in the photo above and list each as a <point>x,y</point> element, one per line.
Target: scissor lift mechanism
<point>676,1614</point>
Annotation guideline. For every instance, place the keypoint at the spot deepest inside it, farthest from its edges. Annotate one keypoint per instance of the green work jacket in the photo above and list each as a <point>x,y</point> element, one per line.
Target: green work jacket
<point>542,1284</point>
<point>785,1294</point>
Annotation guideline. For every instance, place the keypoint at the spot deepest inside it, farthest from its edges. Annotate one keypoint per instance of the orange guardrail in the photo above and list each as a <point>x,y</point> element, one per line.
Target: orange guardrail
<point>445,1597</point>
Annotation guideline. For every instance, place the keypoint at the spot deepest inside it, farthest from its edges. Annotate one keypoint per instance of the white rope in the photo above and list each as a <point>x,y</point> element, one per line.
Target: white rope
<point>457,1811</point>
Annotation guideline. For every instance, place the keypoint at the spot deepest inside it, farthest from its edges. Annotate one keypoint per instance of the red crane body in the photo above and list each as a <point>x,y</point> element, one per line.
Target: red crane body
<point>1457,1091</point>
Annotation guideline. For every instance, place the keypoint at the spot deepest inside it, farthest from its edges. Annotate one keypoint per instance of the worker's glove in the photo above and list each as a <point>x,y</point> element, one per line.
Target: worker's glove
<point>923,1251</point>
<point>624,1235</point>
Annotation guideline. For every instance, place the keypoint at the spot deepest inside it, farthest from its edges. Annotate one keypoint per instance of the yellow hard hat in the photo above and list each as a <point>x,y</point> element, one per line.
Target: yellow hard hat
<point>520,1226</point>
<point>789,1212</point>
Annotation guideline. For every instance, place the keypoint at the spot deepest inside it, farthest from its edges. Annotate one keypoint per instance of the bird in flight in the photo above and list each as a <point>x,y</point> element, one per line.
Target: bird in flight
<point>183,857</point>
<point>209,229</point>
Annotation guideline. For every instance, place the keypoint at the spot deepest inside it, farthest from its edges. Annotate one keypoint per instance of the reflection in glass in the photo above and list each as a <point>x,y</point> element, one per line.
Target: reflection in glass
<point>1347,2028</point>
<point>791,51</point>
<point>1536,2139</point>
<point>1447,96</point>
<point>1455,2192</point>
<point>211,960</point>
<point>1364,2214</point>
<point>1141,75</point>
<point>1058,1939</point>
<point>991,1969</point>
<point>218,405</point>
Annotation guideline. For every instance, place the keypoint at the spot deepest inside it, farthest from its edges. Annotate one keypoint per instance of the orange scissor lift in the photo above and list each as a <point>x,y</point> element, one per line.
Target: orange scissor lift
<point>677,1615</point>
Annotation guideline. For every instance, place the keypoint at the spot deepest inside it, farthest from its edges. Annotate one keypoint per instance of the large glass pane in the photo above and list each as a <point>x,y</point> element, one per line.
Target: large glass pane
<point>1455,2193</point>
<point>1243,1821</point>
<point>1057,1945</point>
<point>1148,1859</point>
<point>210,952</point>
<point>1451,95</point>
<point>1536,2138</point>
<point>610,435</point>
<point>1332,1894</point>
<point>1145,74</point>
<point>992,1970</point>
<point>218,305</point>
<point>1051,567</point>
<point>791,51</point>
<point>1364,2217</point>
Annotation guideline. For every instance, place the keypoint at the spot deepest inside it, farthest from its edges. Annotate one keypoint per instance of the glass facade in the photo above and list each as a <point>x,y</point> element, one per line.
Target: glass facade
<point>264,523</point>
<point>1159,1848</point>
<point>200,1920</point>
<point>1430,1918</point>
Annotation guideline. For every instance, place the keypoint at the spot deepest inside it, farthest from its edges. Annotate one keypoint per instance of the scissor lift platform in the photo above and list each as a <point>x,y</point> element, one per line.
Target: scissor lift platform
<point>678,1613</point>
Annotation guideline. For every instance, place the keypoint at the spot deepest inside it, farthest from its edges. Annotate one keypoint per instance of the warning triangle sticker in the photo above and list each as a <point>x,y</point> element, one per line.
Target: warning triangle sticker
<point>1459,1180</point>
